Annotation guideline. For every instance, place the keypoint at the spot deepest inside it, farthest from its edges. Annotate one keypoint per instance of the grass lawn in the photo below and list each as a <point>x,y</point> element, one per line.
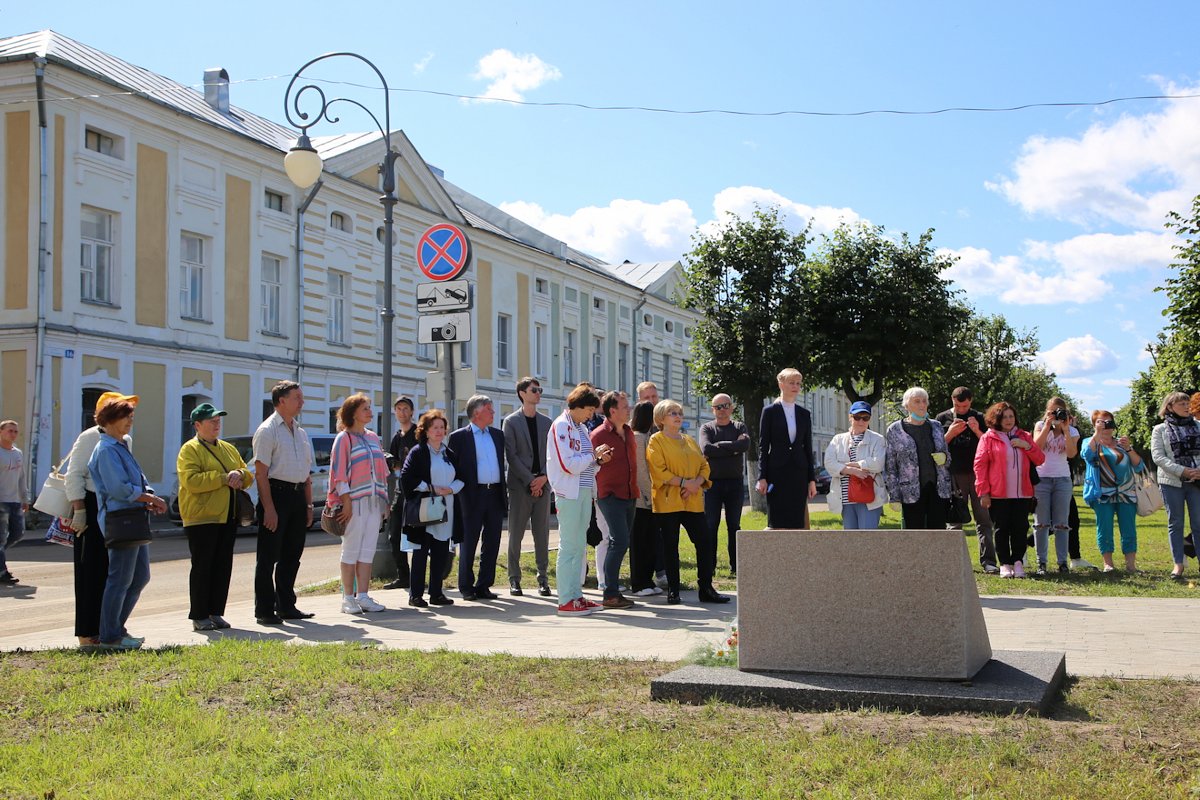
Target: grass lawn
<point>240,719</point>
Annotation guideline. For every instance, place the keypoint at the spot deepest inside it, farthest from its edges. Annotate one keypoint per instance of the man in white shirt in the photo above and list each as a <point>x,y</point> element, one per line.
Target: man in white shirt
<point>14,495</point>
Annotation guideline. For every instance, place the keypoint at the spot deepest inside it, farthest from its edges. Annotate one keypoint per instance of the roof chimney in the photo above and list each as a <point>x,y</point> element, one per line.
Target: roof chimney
<point>216,89</point>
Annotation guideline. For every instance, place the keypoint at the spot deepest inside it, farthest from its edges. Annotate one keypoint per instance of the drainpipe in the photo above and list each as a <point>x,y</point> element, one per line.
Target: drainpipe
<point>35,435</point>
<point>300,209</point>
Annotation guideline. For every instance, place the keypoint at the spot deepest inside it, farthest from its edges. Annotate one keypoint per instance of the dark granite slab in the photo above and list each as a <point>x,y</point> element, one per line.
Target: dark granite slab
<point>1018,681</point>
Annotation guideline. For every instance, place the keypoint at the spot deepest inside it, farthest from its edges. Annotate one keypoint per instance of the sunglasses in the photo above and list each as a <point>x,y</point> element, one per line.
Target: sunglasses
<point>862,417</point>
<point>722,406</point>
<point>534,389</point>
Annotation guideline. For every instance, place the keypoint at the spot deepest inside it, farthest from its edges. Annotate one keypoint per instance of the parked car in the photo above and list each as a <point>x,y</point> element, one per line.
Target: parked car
<point>322,445</point>
<point>824,480</point>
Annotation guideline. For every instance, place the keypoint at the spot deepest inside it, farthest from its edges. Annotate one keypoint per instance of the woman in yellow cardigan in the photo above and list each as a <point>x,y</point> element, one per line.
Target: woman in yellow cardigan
<point>210,471</point>
<point>679,476</point>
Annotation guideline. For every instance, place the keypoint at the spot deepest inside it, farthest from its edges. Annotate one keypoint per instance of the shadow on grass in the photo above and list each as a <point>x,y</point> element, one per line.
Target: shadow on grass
<point>1064,710</point>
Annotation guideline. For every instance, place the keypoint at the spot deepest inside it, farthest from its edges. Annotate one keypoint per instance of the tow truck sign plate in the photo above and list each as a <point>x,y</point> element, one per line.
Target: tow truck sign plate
<point>446,296</point>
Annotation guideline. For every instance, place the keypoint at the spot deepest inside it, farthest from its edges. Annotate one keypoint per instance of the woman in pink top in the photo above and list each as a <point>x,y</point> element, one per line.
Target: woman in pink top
<point>1002,463</point>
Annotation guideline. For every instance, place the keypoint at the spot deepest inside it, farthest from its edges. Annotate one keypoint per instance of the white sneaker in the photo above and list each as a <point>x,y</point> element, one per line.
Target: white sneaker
<point>350,605</point>
<point>367,604</point>
<point>647,592</point>
<point>1082,563</point>
<point>661,580</point>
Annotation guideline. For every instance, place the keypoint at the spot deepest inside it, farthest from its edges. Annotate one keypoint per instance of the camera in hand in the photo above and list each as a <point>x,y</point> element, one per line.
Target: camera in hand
<point>1060,414</point>
<point>444,333</point>
<point>1107,424</point>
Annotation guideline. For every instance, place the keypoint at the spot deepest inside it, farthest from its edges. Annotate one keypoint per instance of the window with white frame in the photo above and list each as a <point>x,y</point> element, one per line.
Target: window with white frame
<point>96,256</point>
<point>503,337</point>
<point>273,200</point>
<point>426,352</point>
<point>103,143</point>
<point>541,286</point>
<point>666,387</point>
<point>193,276</point>
<point>339,222</point>
<point>568,357</point>
<point>645,364</point>
<point>271,295</point>
<point>539,350</point>
<point>337,289</point>
<point>622,365</point>
<point>597,362</point>
<point>597,303</point>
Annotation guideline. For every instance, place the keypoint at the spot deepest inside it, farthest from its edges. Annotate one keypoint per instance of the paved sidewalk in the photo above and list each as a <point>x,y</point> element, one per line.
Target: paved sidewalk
<point>1129,637</point>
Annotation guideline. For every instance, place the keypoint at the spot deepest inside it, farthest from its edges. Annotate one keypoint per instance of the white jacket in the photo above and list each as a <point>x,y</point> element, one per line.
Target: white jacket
<point>566,458</point>
<point>871,451</point>
<point>78,478</point>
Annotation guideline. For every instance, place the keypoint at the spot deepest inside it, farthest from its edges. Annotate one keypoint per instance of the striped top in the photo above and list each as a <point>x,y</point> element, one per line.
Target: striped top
<point>357,467</point>
<point>855,441</point>
<point>587,478</point>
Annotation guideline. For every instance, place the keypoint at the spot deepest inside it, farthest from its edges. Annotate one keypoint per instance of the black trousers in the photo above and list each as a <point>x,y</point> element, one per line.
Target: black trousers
<point>91,572</point>
<point>1073,538</point>
<point>787,504</point>
<point>211,547</point>
<point>434,553</point>
<point>928,513</point>
<point>697,530</point>
<point>1011,519</point>
<point>482,521</point>
<point>395,526</point>
<point>726,495</point>
<point>279,553</point>
<point>645,542</point>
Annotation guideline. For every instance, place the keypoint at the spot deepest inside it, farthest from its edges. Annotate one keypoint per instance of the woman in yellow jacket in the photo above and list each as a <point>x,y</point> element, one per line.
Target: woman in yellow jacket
<point>210,472</point>
<point>679,476</point>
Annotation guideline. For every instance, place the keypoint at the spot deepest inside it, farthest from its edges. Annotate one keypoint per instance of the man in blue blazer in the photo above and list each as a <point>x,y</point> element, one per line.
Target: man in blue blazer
<point>787,475</point>
<point>480,506</point>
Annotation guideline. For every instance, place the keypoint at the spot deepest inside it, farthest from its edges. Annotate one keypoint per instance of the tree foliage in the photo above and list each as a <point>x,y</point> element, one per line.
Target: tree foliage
<point>880,311</point>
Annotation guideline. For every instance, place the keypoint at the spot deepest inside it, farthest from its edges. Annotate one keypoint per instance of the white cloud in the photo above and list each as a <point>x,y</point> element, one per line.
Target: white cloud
<point>420,66</point>
<point>1130,171</point>
<point>1079,356</point>
<point>1128,325</point>
<point>1124,382</point>
<point>1077,381</point>
<point>511,75</point>
<point>624,229</point>
<point>742,200</point>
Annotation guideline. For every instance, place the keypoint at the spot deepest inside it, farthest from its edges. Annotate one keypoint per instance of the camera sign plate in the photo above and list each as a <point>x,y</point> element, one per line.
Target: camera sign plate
<point>443,328</point>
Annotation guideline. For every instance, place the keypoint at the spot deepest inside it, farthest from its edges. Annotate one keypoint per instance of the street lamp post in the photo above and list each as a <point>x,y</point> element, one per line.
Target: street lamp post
<point>303,166</point>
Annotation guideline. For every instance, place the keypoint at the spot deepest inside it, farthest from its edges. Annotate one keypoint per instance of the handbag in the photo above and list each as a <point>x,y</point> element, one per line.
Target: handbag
<point>1189,546</point>
<point>861,490</point>
<point>242,504</point>
<point>57,534</point>
<point>959,512</point>
<point>1149,495</point>
<point>330,522</point>
<point>430,510</point>
<point>127,527</point>
<point>52,499</point>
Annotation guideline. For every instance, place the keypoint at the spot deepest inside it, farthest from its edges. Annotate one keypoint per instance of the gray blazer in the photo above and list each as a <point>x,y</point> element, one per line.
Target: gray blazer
<point>518,450</point>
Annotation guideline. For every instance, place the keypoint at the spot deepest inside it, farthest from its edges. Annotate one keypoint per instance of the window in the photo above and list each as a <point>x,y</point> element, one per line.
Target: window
<point>271,295</point>
<point>689,332</point>
<point>539,350</point>
<point>95,256</point>
<point>187,405</point>
<point>89,398</point>
<point>335,320</point>
<point>193,279</point>
<point>503,326</point>
<point>622,365</point>
<point>273,200</point>
<point>598,303</point>
<point>425,352</point>
<point>669,326</point>
<point>339,222</point>
<point>666,387</point>
<point>571,295</point>
<point>541,286</point>
<point>645,363</point>
<point>624,312</point>
<point>102,143</point>
<point>568,357</point>
<point>464,354</point>
<point>647,320</point>
<point>597,362</point>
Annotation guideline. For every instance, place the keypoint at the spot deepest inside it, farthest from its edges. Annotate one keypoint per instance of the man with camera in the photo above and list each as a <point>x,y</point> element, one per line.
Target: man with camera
<point>964,426</point>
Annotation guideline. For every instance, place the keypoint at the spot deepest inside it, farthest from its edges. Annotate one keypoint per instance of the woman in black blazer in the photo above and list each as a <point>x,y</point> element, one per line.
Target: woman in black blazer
<point>429,468</point>
<point>787,476</point>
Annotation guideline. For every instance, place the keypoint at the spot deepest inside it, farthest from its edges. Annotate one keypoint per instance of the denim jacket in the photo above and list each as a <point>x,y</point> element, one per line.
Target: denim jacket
<point>118,478</point>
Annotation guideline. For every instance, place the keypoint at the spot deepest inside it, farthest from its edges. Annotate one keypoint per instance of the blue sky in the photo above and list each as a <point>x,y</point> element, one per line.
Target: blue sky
<point>1056,213</point>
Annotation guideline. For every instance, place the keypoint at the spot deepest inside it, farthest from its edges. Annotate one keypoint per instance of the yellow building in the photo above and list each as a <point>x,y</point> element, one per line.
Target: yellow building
<point>149,246</point>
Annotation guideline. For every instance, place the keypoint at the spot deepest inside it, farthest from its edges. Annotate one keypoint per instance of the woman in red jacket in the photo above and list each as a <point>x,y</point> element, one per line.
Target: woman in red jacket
<point>1002,466</point>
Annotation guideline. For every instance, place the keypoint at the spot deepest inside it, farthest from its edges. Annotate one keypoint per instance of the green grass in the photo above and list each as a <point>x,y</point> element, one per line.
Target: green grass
<point>243,719</point>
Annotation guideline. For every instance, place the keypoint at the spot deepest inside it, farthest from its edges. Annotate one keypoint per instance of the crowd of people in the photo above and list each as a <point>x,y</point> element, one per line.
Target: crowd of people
<point>621,474</point>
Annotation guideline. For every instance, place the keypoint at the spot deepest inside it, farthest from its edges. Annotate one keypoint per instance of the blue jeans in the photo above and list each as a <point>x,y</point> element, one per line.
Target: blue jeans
<point>128,574</point>
<point>857,517</point>
<point>1053,510</point>
<point>618,514</point>
<point>725,494</point>
<point>1127,521</point>
<point>12,529</point>
<point>1176,498</point>
<point>573,518</point>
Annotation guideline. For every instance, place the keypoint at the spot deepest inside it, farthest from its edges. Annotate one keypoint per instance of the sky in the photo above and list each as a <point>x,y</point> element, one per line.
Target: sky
<point>1055,214</point>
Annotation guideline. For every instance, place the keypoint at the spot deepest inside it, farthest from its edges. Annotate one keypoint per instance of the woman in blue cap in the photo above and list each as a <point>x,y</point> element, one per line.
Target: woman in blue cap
<point>855,460</point>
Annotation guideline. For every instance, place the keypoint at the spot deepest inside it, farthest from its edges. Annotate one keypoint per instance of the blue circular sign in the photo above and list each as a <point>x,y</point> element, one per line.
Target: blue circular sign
<point>443,252</point>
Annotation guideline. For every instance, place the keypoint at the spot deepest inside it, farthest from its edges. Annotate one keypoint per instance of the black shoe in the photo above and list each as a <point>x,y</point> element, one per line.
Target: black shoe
<point>203,625</point>
<point>486,594</point>
<point>271,620</point>
<point>8,577</point>
<point>1177,577</point>
<point>219,621</point>
<point>441,600</point>
<point>1063,569</point>
<point>469,595</point>
<point>1041,569</point>
<point>514,588</point>
<point>710,595</point>
<point>296,613</point>
<point>399,583</point>
<point>418,602</point>
<point>673,599</point>
<point>544,589</point>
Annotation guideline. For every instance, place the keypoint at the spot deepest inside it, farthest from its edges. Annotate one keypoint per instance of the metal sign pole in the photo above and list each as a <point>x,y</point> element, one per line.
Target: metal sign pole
<point>451,408</point>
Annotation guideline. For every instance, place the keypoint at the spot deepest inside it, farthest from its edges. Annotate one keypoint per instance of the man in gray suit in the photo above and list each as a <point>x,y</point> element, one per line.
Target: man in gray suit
<point>525,432</point>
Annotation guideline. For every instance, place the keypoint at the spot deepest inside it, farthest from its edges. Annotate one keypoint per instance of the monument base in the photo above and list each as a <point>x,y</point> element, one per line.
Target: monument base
<point>1012,681</point>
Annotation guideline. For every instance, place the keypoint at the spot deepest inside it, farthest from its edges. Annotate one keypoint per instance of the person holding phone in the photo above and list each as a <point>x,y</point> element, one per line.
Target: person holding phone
<point>1058,438</point>
<point>1109,489</point>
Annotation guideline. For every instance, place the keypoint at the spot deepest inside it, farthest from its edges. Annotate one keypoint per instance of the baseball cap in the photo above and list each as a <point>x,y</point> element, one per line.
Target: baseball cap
<point>205,411</point>
<point>860,407</point>
<point>115,397</point>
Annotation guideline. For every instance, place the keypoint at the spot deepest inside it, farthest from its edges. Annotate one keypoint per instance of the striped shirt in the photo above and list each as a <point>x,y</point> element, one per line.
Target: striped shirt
<point>357,467</point>
<point>855,441</point>
<point>587,478</point>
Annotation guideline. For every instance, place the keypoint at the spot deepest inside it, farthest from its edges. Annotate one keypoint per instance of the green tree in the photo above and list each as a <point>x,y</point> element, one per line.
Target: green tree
<point>879,311</point>
<point>984,354</point>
